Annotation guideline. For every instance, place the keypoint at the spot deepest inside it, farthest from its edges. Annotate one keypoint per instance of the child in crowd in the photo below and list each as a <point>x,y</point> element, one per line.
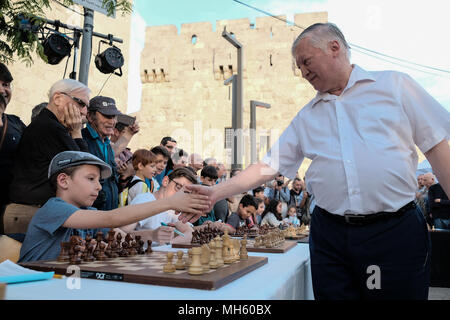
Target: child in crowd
<point>292,216</point>
<point>272,214</point>
<point>255,219</point>
<point>162,157</point>
<point>208,177</point>
<point>144,164</point>
<point>75,177</point>
<point>247,207</point>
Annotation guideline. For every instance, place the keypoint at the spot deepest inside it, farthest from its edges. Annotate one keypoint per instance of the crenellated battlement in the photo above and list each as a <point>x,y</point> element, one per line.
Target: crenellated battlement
<point>169,54</point>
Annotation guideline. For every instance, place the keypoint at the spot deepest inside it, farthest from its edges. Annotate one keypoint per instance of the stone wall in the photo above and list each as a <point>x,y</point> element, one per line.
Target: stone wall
<point>183,74</point>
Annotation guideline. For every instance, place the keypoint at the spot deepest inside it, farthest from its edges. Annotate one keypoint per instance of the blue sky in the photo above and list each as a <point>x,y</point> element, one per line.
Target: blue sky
<point>413,30</point>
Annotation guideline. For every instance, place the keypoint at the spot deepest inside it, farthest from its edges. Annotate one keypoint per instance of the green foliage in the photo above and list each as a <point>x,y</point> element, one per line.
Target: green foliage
<point>21,44</point>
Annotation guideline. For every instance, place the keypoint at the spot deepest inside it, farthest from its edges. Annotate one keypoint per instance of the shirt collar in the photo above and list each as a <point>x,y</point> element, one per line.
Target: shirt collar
<point>358,74</point>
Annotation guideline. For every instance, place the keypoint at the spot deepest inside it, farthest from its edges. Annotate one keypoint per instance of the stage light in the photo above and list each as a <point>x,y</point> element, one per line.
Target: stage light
<point>110,60</point>
<point>56,48</point>
<point>27,25</point>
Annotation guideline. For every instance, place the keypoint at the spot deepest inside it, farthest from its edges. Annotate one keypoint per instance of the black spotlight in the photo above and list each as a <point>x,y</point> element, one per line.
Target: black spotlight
<point>56,47</point>
<point>110,60</point>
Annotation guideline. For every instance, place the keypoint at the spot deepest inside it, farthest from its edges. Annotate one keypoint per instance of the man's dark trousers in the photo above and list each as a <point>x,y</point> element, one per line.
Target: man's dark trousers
<point>388,259</point>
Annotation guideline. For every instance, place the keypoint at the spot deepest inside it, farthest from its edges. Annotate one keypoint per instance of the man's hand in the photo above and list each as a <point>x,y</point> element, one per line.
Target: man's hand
<point>130,131</point>
<point>190,203</point>
<point>186,216</point>
<point>437,200</point>
<point>73,120</point>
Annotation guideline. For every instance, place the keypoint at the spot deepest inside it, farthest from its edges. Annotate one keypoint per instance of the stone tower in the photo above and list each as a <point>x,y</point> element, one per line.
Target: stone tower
<point>183,75</point>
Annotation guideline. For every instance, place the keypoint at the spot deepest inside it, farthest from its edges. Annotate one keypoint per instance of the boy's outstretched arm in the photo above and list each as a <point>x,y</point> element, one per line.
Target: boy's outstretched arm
<point>180,201</point>
<point>254,176</point>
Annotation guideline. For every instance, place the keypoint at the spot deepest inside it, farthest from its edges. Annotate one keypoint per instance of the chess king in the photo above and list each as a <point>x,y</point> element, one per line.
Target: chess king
<point>75,176</point>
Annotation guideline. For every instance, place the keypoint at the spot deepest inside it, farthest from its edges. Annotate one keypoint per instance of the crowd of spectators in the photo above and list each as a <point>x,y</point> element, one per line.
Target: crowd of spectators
<point>72,120</point>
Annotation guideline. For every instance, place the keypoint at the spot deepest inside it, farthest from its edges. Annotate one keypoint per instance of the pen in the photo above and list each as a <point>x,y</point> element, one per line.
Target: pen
<point>175,229</point>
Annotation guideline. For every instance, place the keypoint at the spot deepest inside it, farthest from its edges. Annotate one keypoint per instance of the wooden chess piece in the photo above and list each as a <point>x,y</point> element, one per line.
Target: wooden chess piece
<point>196,267</point>
<point>101,255</point>
<point>64,253</point>
<point>227,251</point>
<point>169,267</point>
<point>212,257</point>
<point>139,245</point>
<point>124,251</point>
<point>189,258</point>
<point>75,248</point>
<point>90,247</point>
<point>219,245</point>
<point>236,249</point>
<point>243,255</point>
<point>180,265</point>
<point>205,257</point>
<point>149,247</point>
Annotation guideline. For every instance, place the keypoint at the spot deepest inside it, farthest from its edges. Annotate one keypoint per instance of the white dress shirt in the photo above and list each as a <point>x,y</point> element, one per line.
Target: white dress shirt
<point>362,143</point>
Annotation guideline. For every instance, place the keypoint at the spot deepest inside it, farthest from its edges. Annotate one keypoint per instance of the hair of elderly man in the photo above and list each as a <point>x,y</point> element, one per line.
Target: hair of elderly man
<point>68,86</point>
<point>320,34</point>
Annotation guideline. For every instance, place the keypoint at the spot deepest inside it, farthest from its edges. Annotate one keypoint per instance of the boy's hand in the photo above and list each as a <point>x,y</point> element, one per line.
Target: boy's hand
<point>163,235</point>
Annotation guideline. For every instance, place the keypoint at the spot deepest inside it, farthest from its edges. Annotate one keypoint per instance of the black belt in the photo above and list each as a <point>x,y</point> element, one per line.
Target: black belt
<point>365,219</point>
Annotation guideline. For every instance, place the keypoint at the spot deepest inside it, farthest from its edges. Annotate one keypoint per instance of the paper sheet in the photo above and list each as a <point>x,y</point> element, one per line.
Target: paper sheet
<point>13,273</point>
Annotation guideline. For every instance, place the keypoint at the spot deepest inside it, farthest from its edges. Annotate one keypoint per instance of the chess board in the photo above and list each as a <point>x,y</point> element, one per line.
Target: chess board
<point>304,240</point>
<point>286,246</point>
<point>297,237</point>
<point>148,269</point>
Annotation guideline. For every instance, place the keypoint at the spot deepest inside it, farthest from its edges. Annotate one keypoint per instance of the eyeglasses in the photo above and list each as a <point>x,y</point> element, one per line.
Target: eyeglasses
<point>178,186</point>
<point>80,102</point>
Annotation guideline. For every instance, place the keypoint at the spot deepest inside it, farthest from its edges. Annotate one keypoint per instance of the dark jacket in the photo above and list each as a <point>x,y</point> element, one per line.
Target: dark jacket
<point>441,209</point>
<point>44,138</point>
<point>108,197</point>
<point>8,151</point>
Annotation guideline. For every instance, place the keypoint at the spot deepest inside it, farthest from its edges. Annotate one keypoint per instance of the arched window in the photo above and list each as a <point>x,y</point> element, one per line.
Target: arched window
<point>194,39</point>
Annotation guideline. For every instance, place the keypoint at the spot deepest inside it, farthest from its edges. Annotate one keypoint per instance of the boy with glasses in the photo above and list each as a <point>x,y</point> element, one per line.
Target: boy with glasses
<point>171,184</point>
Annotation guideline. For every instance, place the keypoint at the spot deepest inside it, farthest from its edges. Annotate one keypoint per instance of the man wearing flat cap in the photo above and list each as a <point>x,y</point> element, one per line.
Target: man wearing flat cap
<point>102,118</point>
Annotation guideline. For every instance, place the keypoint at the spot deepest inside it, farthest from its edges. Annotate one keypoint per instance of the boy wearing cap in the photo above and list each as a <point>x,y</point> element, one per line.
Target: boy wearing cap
<point>102,118</point>
<point>76,176</point>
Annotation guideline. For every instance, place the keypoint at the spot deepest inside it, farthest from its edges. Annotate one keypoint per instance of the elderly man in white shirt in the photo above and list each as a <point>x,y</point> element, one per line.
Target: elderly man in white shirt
<point>367,240</point>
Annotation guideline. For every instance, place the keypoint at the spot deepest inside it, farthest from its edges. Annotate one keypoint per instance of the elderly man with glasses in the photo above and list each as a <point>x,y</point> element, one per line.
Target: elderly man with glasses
<point>57,128</point>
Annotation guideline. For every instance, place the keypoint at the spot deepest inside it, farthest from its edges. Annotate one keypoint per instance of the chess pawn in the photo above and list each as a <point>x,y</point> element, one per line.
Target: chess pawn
<point>124,251</point>
<point>169,267</point>
<point>212,257</point>
<point>205,257</point>
<point>180,265</point>
<point>189,258</point>
<point>64,253</point>
<point>243,255</point>
<point>89,257</point>
<point>196,267</point>
<point>101,255</point>
<point>219,258</point>
<point>237,247</point>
